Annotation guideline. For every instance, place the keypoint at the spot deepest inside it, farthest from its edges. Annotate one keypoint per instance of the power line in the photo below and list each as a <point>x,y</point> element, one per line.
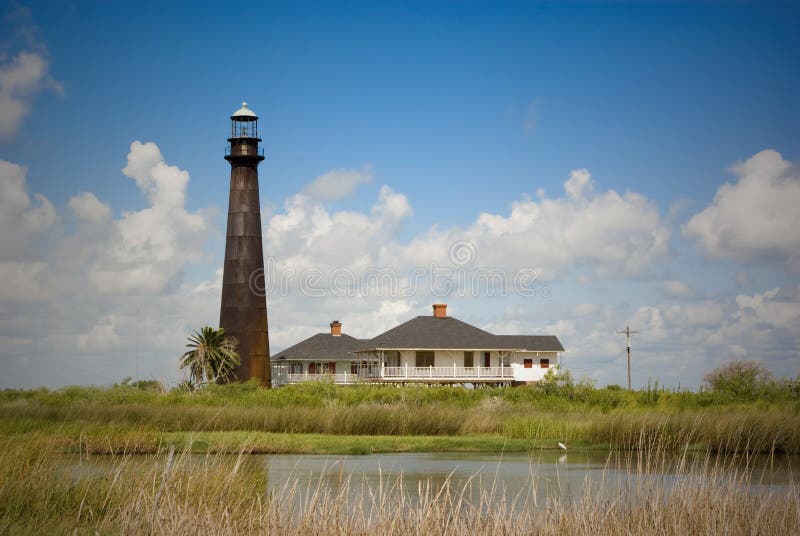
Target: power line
<point>628,334</point>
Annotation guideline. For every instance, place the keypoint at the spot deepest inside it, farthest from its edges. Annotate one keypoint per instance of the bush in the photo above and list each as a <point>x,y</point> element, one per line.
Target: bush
<point>742,379</point>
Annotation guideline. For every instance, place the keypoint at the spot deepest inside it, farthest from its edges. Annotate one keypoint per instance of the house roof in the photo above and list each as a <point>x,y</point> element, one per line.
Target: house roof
<point>531,343</point>
<point>422,332</point>
<point>323,346</point>
<point>453,334</point>
<point>432,332</point>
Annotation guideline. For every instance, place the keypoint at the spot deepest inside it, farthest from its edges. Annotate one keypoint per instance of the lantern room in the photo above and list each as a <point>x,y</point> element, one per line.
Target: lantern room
<point>244,135</point>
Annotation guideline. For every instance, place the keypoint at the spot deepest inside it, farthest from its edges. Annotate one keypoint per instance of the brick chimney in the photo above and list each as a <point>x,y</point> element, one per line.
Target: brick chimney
<point>440,310</point>
<point>336,328</point>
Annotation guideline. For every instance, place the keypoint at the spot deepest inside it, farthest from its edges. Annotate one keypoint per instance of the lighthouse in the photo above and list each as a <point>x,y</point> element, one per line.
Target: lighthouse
<point>243,311</point>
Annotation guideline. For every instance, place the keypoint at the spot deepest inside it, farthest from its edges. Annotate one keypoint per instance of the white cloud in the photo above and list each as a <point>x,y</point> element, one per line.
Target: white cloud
<point>73,316</point>
<point>584,309</point>
<point>101,337</point>
<point>88,208</point>
<point>20,220</point>
<point>25,282</point>
<point>306,234</point>
<point>676,289</point>
<point>756,217</point>
<point>338,183</point>
<point>21,79</point>
<point>148,248</point>
<point>71,309</point>
<point>610,233</point>
<point>679,342</point>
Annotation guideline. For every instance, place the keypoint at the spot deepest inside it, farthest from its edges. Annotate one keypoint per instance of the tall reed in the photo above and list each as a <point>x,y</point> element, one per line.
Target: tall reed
<point>177,493</point>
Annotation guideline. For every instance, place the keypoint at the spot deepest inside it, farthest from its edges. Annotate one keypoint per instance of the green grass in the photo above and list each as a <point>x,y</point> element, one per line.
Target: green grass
<point>127,418</point>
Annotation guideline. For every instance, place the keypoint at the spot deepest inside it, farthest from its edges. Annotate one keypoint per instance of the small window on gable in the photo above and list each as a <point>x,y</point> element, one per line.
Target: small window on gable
<point>528,363</point>
<point>544,363</point>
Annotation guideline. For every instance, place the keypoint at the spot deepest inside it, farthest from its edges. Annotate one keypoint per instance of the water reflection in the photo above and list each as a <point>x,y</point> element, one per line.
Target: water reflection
<point>521,479</point>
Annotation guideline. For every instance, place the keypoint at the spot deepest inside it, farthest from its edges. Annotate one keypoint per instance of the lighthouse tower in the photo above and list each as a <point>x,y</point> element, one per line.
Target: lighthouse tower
<point>243,313</point>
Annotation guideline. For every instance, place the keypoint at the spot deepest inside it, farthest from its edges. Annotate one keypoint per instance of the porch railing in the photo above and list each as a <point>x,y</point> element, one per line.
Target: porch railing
<point>344,378</point>
<point>466,373</point>
<point>406,372</point>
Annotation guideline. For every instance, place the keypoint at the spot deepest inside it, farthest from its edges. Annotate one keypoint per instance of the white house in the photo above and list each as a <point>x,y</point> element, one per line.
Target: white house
<point>426,349</point>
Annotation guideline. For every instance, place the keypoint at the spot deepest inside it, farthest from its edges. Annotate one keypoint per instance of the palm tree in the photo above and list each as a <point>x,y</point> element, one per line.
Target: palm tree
<point>211,357</point>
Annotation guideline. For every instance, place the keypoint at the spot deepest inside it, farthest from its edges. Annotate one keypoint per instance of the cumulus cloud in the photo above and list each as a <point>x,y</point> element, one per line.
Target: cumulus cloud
<point>306,234</point>
<point>74,306</point>
<point>20,219</point>
<point>88,208</point>
<point>22,75</point>
<point>756,217</point>
<point>148,248</point>
<point>77,310</point>
<point>612,234</point>
<point>23,282</point>
<point>338,183</point>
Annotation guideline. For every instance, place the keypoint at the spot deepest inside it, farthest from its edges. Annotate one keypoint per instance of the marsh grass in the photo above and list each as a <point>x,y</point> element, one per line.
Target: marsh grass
<point>176,492</point>
<point>126,417</point>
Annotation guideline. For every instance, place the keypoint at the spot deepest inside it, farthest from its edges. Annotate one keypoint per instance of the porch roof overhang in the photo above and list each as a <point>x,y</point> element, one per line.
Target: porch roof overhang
<point>285,359</point>
<point>553,351</point>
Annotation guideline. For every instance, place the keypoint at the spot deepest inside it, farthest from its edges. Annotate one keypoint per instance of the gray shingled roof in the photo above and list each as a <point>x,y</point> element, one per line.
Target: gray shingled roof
<point>451,333</point>
<point>323,346</point>
<point>532,343</point>
<point>420,332</point>
<point>432,332</point>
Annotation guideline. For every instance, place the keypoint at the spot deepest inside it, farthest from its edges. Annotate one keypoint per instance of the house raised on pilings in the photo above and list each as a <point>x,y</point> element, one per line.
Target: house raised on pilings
<point>436,349</point>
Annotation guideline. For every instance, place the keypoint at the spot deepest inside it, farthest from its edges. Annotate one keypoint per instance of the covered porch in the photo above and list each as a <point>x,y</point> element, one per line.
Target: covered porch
<point>339,372</point>
<point>454,374</point>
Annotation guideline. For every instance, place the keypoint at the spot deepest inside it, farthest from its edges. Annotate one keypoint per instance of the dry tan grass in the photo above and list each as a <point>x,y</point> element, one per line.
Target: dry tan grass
<point>177,493</point>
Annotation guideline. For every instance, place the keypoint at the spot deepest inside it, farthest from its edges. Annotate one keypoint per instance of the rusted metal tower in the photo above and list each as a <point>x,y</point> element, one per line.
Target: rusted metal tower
<point>243,312</point>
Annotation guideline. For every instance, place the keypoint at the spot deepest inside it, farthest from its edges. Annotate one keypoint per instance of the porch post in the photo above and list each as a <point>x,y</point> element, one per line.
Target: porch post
<point>454,368</point>
<point>406,369</point>
<point>430,371</point>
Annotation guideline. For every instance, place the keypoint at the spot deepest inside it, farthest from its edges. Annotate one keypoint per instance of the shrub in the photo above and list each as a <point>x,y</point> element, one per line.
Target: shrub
<point>742,379</point>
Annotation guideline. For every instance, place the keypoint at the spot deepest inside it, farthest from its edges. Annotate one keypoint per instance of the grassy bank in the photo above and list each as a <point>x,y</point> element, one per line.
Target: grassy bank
<point>318,417</point>
<point>173,493</point>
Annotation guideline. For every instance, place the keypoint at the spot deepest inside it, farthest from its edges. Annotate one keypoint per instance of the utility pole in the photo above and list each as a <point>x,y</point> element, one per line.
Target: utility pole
<point>137,347</point>
<point>628,334</point>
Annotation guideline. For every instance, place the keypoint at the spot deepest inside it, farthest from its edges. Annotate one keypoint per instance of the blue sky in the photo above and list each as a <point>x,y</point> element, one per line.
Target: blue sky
<point>462,109</point>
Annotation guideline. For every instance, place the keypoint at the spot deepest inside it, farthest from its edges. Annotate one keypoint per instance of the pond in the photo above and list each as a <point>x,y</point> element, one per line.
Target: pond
<point>525,479</point>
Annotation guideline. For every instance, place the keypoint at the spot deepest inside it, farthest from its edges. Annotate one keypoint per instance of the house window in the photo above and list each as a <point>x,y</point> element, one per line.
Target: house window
<point>353,368</point>
<point>392,358</point>
<point>505,360</point>
<point>295,368</point>
<point>468,359</point>
<point>487,359</point>
<point>544,363</point>
<point>424,359</point>
<point>528,363</point>
<point>322,368</point>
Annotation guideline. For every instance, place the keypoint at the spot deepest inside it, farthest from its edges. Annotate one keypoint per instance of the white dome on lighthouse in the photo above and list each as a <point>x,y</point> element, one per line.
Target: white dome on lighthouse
<point>244,112</point>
